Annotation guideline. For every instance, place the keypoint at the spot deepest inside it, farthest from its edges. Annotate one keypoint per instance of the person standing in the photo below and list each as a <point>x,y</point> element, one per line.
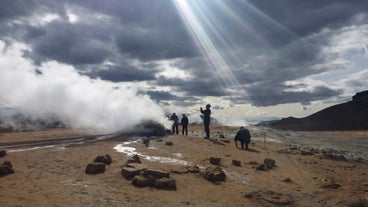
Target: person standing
<point>243,136</point>
<point>175,126</point>
<point>206,119</point>
<point>184,124</point>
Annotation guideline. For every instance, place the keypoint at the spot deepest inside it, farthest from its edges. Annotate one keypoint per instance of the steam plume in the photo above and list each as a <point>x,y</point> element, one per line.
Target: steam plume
<point>58,89</point>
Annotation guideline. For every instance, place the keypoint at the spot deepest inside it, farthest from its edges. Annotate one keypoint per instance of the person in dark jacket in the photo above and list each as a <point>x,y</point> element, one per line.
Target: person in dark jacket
<point>206,120</point>
<point>243,136</point>
<point>175,126</point>
<point>184,124</point>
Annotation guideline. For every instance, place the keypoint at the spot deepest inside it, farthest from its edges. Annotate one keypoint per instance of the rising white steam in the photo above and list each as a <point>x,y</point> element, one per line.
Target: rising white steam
<point>79,101</point>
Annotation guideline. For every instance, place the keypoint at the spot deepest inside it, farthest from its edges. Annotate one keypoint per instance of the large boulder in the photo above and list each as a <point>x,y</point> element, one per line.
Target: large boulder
<point>165,183</point>
<point>95,168</point>
<point>130,172</point>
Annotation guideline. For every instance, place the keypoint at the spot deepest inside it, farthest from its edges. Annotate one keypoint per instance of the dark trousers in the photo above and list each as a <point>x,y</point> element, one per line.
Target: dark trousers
<point>185,129</point>
<point>175,129</point>
<point>244,145</point>
<point>207,129</point>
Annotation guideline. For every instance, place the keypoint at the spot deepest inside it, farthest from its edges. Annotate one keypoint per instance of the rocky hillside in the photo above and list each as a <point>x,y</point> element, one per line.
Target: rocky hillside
<point>352,115</point>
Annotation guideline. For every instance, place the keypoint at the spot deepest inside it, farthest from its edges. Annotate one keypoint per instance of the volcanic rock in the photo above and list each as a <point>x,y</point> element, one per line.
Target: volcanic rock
<point>2,153</point>
<point>165,183</point>
<point>104,159</point>
<point>270,163</point>
<point>192,169</point>
<point>156,173</point>
<point>215,174</point>
<point>129,172</point>
<point>215,160</point>
<point>140,181</point>
<point>133,159</point>
<point>6,168</point>
<point>261,167</point>
<point>95,168</point>
<point>236,162</point>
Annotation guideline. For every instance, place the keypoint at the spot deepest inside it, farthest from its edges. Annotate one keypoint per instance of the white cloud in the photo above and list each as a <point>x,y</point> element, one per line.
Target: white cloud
<point>169,70</point>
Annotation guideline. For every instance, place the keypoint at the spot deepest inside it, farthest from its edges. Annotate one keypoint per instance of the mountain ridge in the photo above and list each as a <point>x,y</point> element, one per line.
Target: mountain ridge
<point>351,115</point>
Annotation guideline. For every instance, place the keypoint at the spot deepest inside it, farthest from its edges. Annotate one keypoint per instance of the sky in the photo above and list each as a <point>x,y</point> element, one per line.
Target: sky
<point>114,63</point>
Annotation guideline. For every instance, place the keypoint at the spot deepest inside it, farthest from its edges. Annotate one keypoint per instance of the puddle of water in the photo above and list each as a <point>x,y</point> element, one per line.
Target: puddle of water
<point>132,151</point>
<point>31,148</point>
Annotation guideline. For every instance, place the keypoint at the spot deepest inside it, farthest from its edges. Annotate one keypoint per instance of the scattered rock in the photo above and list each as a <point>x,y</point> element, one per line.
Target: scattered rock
<point>104,159</point>
<point>270,163</point>
<point>140,181</point>
<point>215,160</point>
<point>261,167</point>
<point>165,183</point>
<point>6,168</point>
<point>287,180</point>
<point>265,197</point>
<point>215,174</point>
<point>169,143</point>
<point>95,168</point>
<point>129,172</point>
<point>2,153</point>
<point>236,162</point>
<point>221,136</point>
<point>329,182</point>
<point>133,159</point>
<point>156,173</point>
<point>192,169</point>
<point>253,163</point>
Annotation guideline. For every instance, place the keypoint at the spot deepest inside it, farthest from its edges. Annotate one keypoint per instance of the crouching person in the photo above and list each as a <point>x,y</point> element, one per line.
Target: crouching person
<point>243,136</point>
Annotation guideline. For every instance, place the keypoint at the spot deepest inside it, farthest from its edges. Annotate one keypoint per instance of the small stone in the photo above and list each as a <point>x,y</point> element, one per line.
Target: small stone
<point>287,180</point>
<point>2,153</point>
<point>215,160</point>
<point>270,163</point>
<point>236,162</point>
<point>261,167</point>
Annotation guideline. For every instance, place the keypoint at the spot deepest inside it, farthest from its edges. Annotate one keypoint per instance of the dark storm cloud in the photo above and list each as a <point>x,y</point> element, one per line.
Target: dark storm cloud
<point>279,41</point>
<point>124,74</point>
<point>304,17</point>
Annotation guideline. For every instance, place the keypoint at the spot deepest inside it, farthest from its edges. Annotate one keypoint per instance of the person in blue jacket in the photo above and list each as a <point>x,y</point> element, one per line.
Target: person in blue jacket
<point>206,119</point>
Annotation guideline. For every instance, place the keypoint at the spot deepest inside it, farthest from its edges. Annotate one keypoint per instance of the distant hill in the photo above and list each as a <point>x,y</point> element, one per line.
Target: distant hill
<point>352,115</point>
